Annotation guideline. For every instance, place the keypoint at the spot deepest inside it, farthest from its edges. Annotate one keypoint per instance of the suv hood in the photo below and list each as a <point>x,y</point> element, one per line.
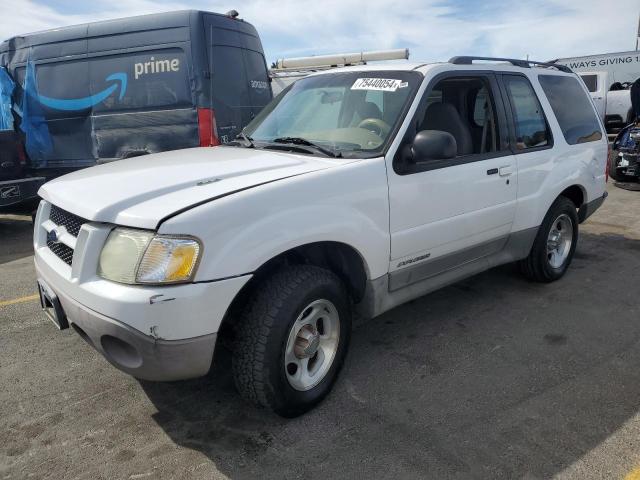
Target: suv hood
<point>140,192</point>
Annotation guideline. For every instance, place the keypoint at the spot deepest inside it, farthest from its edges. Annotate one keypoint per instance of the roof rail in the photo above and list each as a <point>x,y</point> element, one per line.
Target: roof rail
<point>468,60</point>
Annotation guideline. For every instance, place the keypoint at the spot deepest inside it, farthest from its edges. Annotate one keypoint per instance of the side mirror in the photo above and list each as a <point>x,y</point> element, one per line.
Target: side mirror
<point>433,145</point>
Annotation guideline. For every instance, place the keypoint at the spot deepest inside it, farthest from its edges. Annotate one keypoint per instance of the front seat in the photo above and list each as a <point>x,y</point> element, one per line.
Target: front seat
<point>369,110</point>
<point>445,117</point>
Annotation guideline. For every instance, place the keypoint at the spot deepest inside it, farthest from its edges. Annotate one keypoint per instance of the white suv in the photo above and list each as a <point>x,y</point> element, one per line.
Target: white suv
<point>355,190</point>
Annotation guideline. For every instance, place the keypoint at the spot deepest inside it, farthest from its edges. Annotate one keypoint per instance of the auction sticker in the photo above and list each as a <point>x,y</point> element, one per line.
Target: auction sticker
<point>381,84</point>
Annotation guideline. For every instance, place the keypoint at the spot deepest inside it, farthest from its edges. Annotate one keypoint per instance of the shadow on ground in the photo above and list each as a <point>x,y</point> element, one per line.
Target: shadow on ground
<point>449,385</point>
<point>16,236</point>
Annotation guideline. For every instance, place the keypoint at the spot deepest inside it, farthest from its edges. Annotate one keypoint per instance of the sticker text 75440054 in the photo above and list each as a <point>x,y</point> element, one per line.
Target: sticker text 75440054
<point>382,84</point>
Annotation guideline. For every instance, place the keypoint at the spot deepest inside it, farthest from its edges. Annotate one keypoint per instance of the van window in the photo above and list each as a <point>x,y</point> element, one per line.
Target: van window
<point>138,81</point>
<point>240,77</point>
<point>591,81</point>
<point>259,89</point>
<point>229,76</point>
<point>531,128</point>
<point>572,107</point>
<point>155,80</point>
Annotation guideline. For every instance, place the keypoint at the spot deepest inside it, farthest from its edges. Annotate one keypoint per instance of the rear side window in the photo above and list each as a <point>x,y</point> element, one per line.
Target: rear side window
<point>591,81</point>
<point>531,128</point>
<point>134,81</point>
<point>572,108</point>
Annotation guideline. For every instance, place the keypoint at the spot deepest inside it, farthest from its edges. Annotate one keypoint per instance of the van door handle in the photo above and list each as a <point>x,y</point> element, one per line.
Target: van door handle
<point>506,170</point>
<point>492,171</point>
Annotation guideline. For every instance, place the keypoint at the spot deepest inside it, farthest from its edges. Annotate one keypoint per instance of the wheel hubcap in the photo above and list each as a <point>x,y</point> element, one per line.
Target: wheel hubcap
<point>307,342</point>
<point>559,241</point>
<point>312,345</point>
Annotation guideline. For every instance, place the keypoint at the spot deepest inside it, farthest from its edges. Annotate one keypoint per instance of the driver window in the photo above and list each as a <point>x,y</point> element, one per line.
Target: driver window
<point>464,107</point>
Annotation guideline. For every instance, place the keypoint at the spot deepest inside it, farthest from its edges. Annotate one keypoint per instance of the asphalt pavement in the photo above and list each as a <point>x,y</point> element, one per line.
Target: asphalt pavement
<point>494,377</point>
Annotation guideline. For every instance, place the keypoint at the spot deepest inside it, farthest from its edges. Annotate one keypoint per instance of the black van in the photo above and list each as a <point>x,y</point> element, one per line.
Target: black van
<point>110,90</point>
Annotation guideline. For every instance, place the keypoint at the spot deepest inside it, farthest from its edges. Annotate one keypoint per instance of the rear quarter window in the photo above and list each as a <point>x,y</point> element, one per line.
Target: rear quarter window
<point>572,108</point>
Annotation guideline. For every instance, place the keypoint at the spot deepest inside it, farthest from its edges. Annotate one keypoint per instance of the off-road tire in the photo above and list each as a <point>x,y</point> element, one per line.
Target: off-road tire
<point>536,266</point>
<point>263,329</point>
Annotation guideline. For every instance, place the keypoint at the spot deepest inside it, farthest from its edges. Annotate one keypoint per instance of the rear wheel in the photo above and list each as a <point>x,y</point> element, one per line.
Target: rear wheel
<point>292,339</point>
<point>554,245</point>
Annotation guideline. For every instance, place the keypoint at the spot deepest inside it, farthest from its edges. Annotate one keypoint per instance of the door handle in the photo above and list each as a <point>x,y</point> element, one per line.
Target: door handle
<point>492,171</point>
<point>506,170</point>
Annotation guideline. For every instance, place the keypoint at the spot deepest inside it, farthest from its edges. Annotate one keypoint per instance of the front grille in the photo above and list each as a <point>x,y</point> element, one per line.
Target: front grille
<point>63,218</point>
<point>62,251</point>
<point>72,223</point>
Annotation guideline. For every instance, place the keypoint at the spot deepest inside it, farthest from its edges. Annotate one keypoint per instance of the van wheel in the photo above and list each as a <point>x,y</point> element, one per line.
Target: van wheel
<point>554,245</point>
<point>291,340</point>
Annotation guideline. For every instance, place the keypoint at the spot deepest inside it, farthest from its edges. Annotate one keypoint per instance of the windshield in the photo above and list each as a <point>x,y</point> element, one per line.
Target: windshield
<point>349,114</point>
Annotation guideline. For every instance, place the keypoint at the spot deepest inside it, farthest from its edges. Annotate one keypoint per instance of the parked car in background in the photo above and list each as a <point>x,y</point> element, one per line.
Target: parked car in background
<point>105,91</point>
<point>358,188</point>
<point>608,78</point>
<point>612,100</point>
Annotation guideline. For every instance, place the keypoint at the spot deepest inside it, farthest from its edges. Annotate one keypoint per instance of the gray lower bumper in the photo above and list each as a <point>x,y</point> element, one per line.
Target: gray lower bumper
<point>140,355</point>
<point>588,209</point>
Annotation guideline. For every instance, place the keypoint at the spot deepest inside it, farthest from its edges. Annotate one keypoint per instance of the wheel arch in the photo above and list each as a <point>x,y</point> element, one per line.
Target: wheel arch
<point>576,193</point>
<point>340,258</point>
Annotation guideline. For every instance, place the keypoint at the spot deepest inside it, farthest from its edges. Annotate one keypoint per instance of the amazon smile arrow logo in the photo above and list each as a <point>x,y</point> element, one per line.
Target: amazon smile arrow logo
<point>119,78</point>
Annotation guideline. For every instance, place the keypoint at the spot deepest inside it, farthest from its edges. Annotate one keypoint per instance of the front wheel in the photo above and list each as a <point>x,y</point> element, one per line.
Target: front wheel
<point>292,339</point>
<point>554,245</point>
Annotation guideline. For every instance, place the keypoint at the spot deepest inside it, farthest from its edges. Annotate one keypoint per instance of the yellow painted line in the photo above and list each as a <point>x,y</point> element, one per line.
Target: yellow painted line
<point>633,474</point>
<point>30,298</point>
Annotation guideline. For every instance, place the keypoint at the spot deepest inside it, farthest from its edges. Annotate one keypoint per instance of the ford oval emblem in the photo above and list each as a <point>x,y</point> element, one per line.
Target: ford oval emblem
<point>52,236</point>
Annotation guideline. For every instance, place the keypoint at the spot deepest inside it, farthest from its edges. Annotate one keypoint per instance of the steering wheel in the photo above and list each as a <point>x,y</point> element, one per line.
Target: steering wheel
<point>375,125</point>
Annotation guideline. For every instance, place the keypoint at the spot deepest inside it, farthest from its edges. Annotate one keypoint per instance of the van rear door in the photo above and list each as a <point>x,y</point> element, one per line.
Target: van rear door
<point>240,85</point>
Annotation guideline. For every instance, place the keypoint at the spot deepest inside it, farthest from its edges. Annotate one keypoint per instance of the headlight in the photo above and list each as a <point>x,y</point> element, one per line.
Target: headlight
<point>138,256</point>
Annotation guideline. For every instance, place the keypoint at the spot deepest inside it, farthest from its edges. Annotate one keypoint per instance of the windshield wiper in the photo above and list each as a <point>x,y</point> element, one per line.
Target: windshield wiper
<point>248,141</point>
<point>307,143</point>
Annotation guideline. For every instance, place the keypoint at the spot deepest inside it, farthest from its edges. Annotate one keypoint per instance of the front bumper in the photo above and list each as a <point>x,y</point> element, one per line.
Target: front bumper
<point>139,355</point>
<point>144,356</point>
<point>151,332</point>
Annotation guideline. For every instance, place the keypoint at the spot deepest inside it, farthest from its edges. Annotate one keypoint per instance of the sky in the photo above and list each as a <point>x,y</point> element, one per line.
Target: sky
<point>432,29</point>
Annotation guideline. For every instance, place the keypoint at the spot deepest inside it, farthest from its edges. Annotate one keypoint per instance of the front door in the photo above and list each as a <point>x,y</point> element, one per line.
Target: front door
<point>445,213</point>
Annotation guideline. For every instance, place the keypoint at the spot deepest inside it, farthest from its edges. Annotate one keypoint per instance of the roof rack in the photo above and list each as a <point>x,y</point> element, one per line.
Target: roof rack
<point>468,60</point>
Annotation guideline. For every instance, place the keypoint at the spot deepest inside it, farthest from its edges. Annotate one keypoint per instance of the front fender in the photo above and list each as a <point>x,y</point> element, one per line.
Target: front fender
<point>347,204</point>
